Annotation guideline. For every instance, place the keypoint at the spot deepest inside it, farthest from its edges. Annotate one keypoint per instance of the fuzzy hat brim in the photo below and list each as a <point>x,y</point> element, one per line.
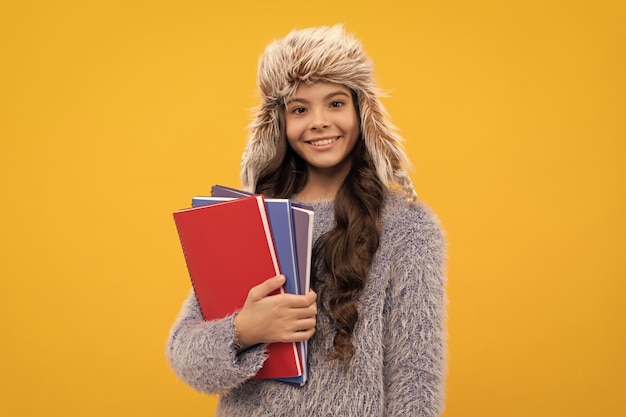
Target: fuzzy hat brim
<point>310,56</point>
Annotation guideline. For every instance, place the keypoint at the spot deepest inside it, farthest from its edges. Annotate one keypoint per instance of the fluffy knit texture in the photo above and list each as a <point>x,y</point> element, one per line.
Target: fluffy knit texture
<point>309,56</point>
<point>399,364</point>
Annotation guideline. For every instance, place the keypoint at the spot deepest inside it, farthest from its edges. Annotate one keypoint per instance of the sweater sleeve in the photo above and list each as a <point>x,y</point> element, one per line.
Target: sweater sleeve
<point>415,354</point>
<point>202,353</point>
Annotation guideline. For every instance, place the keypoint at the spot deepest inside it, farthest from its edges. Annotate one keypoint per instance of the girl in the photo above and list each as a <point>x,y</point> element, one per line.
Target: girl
<point>377,343</point>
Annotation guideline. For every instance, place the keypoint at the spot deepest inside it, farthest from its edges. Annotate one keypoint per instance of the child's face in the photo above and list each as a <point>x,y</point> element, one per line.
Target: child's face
<point>322,125</point>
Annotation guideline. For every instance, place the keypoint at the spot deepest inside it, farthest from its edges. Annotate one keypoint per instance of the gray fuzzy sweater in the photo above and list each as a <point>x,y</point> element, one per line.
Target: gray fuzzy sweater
<point>400,346</point>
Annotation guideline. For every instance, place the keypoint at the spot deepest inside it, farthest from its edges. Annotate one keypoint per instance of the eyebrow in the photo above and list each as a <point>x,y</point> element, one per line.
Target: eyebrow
<point>327,97</point>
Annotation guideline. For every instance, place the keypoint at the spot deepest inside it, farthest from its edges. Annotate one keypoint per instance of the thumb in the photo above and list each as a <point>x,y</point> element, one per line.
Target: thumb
<point>266,288</point>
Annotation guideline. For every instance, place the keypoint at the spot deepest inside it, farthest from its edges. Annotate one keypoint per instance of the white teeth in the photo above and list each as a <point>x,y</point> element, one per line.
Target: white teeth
<point>323,142</point>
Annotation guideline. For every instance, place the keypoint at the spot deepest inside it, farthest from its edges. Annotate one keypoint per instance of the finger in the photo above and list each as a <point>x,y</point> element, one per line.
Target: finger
<point>265,288</point>
<point>303,316</point>
<point>297,336</point>
<point>305,324</point>
<point>299,301</point>
<point>303,335</point>
<point>300,318</point>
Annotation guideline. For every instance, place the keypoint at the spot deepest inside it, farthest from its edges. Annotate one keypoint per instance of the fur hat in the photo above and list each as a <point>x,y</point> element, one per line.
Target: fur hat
<point>309,56</point>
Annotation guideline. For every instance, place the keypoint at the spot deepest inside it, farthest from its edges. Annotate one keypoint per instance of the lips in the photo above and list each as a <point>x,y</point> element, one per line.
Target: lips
<point>323,141</point>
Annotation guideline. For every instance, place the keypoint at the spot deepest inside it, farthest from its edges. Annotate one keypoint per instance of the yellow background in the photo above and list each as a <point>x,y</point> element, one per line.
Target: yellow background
<point>114,113</point>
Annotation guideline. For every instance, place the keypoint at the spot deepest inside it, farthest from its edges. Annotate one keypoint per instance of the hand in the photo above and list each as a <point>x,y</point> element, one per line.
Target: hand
<point>267,318</point>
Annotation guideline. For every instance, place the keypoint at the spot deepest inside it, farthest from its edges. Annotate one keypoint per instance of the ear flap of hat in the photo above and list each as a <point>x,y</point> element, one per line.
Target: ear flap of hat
<point>385,145</point>
<point>264,134</point>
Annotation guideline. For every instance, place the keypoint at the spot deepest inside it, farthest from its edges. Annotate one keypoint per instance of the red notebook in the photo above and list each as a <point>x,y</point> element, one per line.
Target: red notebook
<point>229,249</point>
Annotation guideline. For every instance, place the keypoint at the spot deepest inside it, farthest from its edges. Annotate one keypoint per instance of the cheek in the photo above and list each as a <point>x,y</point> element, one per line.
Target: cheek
<point>350,123</point>
<point>293,131</point>
<point>291,139</point>
<point>292,144</point>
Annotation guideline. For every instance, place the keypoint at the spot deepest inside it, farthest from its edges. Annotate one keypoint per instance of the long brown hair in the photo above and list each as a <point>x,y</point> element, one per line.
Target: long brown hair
<point>342,257</point>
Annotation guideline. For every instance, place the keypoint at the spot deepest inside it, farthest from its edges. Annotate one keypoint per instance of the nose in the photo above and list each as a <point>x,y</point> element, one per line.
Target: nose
<point>319,120</point>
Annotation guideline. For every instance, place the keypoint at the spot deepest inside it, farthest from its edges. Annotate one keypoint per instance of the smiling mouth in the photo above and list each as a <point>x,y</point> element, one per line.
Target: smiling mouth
<point>323,142</point>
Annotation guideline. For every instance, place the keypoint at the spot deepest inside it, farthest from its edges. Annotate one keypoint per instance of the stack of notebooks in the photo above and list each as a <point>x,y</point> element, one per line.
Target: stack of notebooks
<point>233,241</point>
